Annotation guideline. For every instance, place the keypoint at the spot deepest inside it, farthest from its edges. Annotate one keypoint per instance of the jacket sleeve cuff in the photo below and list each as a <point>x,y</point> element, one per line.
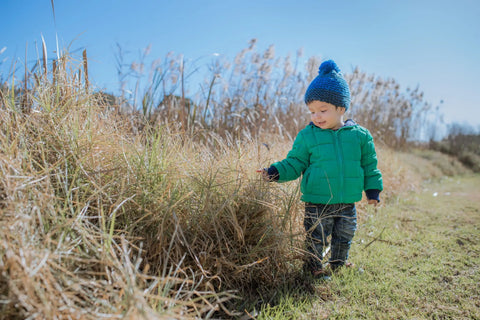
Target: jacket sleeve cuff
<point>273,174</point>
<point>373,194</point>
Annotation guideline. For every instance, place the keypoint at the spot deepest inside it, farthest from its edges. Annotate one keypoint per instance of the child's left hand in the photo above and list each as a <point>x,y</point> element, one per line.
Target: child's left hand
<point>373,201</point>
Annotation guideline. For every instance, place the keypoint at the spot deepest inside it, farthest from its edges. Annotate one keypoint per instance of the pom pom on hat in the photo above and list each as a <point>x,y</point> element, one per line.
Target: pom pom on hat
<point>329,86</point>
<point>327,67</point>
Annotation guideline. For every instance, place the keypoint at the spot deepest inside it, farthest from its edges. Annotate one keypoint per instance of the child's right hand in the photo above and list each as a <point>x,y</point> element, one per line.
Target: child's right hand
<point>264,173</point>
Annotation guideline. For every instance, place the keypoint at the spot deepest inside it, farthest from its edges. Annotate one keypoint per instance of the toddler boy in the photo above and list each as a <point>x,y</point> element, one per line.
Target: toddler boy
<point>337,160</point>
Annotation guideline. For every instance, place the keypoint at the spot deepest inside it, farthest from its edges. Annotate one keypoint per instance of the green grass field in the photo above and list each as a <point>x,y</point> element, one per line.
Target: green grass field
<point>420,258</point>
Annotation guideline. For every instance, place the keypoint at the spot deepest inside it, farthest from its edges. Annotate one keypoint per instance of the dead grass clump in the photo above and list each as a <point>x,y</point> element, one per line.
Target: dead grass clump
<point>64,179</point>
<point>208,214</point>
<point>101,220</point>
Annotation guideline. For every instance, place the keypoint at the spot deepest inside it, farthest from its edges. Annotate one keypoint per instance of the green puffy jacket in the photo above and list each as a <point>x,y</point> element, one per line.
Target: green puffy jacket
<point>336,165</point>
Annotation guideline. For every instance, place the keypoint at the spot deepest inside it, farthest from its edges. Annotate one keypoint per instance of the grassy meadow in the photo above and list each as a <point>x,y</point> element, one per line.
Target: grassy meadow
<point>419,256</point>
<point>148,206</point>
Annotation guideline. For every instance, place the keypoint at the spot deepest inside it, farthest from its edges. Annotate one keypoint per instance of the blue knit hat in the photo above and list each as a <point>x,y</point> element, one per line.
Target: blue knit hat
<point>329,86</point>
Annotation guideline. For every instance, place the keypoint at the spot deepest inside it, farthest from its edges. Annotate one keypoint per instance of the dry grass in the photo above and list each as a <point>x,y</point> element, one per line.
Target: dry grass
<point>100,220</point>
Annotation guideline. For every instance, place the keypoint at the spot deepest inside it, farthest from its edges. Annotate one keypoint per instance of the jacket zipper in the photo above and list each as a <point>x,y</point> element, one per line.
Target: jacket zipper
<point>340,164</point>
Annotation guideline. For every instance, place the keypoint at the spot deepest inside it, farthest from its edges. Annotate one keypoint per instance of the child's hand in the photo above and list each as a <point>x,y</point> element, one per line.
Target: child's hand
<point>373,201</point>
<point>264,173</point>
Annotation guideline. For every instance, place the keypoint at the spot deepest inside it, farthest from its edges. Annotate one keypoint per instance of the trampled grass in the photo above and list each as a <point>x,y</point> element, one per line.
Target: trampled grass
<point>420,258</point>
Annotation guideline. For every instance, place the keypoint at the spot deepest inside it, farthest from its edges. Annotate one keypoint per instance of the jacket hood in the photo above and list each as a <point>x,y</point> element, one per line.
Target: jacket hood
<point>347,123</point>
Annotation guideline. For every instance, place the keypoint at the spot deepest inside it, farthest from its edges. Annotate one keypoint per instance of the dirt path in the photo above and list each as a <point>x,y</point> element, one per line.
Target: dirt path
<point>458,189</point>
<point>457,201</point>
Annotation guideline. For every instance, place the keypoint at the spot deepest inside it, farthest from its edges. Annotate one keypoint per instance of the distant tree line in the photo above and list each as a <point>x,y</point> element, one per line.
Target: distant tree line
<point>462,142</point>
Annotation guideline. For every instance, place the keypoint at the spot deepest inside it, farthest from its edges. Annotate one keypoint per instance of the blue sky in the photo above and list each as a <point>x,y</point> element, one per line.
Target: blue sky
<point>434,44</point>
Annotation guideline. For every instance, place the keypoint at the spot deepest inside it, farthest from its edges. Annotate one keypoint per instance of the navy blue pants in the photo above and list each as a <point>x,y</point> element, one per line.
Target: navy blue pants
<point>321,221</point>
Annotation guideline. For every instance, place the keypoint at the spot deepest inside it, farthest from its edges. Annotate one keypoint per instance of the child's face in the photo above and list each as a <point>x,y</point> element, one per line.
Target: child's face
<point>325,115</point>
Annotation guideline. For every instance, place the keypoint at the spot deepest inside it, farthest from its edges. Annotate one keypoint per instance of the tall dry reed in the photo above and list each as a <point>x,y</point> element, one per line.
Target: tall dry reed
<point>258,94</point>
